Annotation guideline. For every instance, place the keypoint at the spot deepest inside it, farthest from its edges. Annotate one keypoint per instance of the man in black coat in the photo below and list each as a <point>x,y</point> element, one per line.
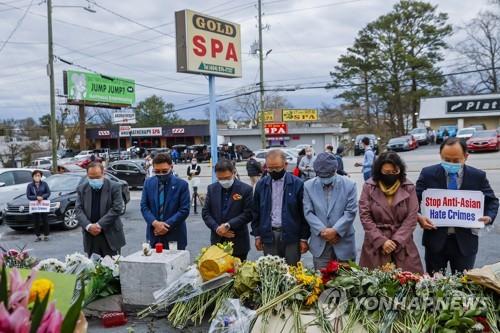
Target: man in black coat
<point>458,246</point>
<point>254,170</point>
<point>228,209</point>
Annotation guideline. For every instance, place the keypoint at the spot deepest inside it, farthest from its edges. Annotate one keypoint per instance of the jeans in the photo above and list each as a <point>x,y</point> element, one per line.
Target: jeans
<point>41,218</point>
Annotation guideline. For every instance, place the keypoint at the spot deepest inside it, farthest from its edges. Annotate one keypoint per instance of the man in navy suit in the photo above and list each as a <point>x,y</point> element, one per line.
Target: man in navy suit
<point>228,209</point>
<point>458,246</point>
<point>165,205</point>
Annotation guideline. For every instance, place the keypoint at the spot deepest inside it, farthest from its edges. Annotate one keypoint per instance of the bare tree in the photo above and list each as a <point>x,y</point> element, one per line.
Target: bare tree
<point>10,155</point>
<point>482,47</point>
<point>223,113</point>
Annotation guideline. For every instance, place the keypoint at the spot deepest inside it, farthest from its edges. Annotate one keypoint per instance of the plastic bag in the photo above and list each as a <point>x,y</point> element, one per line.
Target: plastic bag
<point>232,317</point>
<point>187,283</point>
<point>215,262</point>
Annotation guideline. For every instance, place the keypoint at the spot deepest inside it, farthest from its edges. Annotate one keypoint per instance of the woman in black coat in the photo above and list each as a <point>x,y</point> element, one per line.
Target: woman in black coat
<point>39,190</point>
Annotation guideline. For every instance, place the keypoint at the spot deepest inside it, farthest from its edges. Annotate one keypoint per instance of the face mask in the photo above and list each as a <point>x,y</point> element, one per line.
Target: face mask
<point>451,167</point>
<point>96,184</point>
<point>226,183</point>
<point>193,164</point>
<point>276,175</point>
<point>37,179</point>
<point>327,181</point>
<point>389,180</point>
<point>164,178</point>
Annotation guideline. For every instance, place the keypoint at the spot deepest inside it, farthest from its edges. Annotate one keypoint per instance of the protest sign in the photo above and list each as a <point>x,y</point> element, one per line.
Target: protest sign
<point>40,206</point>
<point>451,208</point>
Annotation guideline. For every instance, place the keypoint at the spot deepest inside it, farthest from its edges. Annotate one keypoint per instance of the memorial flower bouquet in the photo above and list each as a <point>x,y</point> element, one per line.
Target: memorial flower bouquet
<point>24,305</point>
<point>19,258</point>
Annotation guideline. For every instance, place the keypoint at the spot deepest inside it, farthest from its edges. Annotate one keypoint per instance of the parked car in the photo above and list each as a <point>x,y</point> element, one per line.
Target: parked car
<point>132,171</point>
<point>62,202</point>
<point>41,163</point>
<point>14,183</point>
<point>65,153</point>
<point>479,127</point>
<point>64,168</point>
<point>465,133</point>
<point>83,154</point>
<point>358,145</point>
<point>451,129</point>
<point>421,135</point>
<point>484,141</point>
<point>402,143</point>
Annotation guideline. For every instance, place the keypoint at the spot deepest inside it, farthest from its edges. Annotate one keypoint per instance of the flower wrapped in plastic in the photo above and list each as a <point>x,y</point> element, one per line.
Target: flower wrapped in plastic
<point>51,265</point>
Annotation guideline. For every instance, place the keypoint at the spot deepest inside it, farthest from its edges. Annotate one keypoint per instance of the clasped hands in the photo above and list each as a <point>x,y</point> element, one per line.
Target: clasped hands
<point>94,229</point>
<point>160,228</point>
<point>224,231</point>
<point>330,235</point>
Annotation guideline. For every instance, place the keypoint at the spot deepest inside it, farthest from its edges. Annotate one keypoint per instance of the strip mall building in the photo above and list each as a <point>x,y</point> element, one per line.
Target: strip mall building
<point>462,111</point>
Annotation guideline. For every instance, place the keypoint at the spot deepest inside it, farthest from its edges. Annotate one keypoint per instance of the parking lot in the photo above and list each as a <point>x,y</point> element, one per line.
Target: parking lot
<point>65,242</point>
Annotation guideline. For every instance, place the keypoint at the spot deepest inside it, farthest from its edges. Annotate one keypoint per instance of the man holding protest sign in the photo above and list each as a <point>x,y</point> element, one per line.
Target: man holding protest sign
<point>452,234</point>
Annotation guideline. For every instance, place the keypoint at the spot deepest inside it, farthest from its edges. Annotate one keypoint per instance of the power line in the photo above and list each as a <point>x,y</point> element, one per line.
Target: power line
<point>309,8</point>
<point>18,24</point>
<point>130,20</point>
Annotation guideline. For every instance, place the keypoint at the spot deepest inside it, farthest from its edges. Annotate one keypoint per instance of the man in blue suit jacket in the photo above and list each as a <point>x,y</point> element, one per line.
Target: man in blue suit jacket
<point>165,205</point>
<point>330,206</point>
<point>278,222</point>
<point>455,245</point>
<point>228,209</point>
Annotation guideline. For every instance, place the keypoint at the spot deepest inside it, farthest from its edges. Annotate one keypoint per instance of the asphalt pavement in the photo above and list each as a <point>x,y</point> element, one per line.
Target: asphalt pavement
<point>62,242</point>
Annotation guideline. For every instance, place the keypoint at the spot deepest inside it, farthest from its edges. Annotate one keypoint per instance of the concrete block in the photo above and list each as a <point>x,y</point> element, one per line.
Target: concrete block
<point>141,276</point>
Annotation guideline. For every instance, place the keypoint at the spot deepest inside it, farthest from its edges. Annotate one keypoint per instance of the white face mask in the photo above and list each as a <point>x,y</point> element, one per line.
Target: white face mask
<point>226,183</point>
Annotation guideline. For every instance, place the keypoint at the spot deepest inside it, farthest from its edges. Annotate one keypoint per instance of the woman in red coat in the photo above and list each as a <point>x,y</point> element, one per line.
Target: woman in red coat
<point>388,209</point>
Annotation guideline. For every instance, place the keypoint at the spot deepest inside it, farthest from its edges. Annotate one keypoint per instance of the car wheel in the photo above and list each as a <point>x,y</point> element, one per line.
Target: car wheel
<point>124,210</point>
<point>19,228</point>
<point>70,221</point>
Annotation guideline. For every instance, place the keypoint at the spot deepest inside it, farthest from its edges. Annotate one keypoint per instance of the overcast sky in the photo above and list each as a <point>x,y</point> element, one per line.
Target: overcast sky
<point>306,38</point>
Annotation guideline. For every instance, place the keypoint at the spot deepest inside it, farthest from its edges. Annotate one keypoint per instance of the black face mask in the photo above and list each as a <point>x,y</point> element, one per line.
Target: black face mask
<point>164,178</point>
<point>389,180</point>
<point>276,175</point>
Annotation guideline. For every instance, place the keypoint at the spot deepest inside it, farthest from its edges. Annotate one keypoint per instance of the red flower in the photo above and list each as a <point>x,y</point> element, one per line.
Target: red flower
<point>483,321</point>
<point>329,271</point>
<point>231,271</point>
<point>405,277</point>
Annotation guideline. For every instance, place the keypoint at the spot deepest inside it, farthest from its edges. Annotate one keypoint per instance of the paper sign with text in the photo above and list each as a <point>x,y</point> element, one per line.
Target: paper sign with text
<point>451,208</point>
<point>40,207</point>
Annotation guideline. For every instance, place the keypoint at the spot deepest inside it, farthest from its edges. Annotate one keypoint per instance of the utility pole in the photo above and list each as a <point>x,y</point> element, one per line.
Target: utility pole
<point>50,72</point>
<point>261,84</point>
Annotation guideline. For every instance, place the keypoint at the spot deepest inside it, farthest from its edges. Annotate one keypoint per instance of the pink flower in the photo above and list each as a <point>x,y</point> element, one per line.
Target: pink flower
<point>13,253</point>
<point>19,290</point>
<point>16,322</point>
<point>52,321</point>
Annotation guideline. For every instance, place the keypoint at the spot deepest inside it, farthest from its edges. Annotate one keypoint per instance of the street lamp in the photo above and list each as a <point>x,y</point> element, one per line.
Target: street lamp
<point>50,72</point>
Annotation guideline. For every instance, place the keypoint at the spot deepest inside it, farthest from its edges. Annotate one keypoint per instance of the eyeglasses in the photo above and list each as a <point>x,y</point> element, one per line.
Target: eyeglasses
<point>275,169</point>
<point>161,172</point>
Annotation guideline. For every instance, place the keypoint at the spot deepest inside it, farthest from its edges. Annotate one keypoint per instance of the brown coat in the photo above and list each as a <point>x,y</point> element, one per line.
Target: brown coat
<point>382,222</point>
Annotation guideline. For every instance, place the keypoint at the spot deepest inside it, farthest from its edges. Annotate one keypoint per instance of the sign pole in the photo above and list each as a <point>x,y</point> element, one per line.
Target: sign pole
<point>213,123</point>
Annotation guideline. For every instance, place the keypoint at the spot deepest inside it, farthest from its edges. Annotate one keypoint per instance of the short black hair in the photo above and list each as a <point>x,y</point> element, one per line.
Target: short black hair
<point>329,147</point>
<point>95,165</point>
<point>162,158</point>
<point>451,142</point>
<point>388,157</point>
<point>224,165</point>
<point>36,172</point>
<point>366,140</point>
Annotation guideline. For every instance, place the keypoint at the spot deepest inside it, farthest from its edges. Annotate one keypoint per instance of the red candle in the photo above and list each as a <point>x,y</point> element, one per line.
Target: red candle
<point>114,319</point>
<point>159,247</point>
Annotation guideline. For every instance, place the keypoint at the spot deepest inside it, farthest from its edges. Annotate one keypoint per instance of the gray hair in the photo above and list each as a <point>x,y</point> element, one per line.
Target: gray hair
<point>95,165</point>
<point>276,152</point>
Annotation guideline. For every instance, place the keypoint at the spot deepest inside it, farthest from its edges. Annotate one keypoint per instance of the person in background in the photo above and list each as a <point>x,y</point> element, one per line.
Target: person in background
<point>329,149</point>
<point>306,165</point>
<point>148,165</point>
<point>98,207</point>
<point>368,159</point>
<point>165,205</point>
<point>330,208</point>
<point>38,190</point>
<point>458,246</point>
<point>340,162</point>
<point>278,221</point>
<point>228,209</point>
<point>388,209</point>
<point>300,156</point>
<point>254,170</point>
<point>193,169</point>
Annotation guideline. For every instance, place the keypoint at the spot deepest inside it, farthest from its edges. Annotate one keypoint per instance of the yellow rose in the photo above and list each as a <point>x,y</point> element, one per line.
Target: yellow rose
<point>40,287</point>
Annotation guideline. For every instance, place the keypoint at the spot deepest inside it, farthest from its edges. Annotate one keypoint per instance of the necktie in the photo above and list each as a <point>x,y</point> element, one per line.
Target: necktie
<point>161,201</point>
<point>452,181</point>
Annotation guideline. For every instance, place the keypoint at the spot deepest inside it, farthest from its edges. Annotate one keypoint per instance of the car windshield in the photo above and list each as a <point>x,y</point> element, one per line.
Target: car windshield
<point>484,134</point>
<point>397,140</point>
<point>63,183</point>
<point>418,131</point>
<point>466,131</point>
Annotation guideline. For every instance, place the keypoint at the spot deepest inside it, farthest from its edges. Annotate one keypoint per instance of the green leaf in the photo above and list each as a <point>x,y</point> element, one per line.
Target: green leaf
<point>3,286</point>
<point>38,311</point>
<point>73,313</point>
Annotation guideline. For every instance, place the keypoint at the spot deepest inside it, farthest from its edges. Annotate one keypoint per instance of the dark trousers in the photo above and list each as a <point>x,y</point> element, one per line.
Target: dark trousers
<point>438,261</point>
<point>41,218</point>
<point>291,252</point>
<point>99,245</point>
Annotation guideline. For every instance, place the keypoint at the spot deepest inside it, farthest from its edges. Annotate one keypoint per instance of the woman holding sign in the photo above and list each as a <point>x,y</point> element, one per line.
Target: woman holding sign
<point>388,209</point>
<point>39,191</point>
